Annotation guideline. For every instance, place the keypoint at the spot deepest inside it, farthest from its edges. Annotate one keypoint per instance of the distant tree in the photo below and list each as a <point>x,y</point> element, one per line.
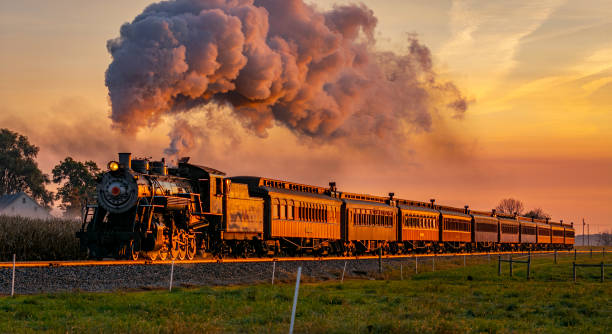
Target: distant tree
<point>19,170</point>
<point>78,183</point>
<point>510,206</point>
<point>537,213</point>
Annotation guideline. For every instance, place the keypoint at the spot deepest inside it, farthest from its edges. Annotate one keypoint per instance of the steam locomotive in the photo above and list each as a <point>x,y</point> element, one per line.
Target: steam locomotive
<point>144,208</point>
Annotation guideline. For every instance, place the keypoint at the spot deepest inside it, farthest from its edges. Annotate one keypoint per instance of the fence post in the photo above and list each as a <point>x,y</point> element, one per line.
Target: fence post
<point>499,265</point>
<point>555,256</point>
<point>510,265</point>
<point>401,272</point>
<point>574,254</point>
<point>602,271</point>
<point>13,281</point>
<point>171,275</point>
<point>464,260</point>
<point>433,263</point>
<point>416,265</point>
<point>574,270</point>
<point>591,253</point>
<point>274,271</point>
<point>295,298</point>
<point>343,270</point>
<point>528,266</point>
<point>380,260</point>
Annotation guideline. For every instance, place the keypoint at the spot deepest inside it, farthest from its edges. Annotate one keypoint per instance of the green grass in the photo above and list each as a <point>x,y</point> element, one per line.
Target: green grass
<point>445,301</point>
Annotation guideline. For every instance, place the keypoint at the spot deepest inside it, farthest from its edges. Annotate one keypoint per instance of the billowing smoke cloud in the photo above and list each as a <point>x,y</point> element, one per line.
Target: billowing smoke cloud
<point>273,62</point>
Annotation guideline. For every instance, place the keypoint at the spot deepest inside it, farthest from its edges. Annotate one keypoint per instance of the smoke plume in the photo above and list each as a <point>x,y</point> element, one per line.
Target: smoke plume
<point>273,62</point>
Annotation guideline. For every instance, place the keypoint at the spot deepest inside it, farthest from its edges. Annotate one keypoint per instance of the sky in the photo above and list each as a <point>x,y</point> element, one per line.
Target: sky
<point>537,75</point>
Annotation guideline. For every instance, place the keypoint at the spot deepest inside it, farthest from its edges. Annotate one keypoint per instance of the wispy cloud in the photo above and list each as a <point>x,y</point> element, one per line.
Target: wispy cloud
<point>486,35</point>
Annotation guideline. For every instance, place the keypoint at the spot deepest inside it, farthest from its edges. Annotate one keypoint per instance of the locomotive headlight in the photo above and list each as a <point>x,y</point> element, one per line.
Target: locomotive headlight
<point>116,189</point>
<point>113,166</point>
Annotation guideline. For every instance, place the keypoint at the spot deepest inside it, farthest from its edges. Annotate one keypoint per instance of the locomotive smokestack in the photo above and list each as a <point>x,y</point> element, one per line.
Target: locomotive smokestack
<point>433,201</point>
<point>125,160</point>
<point>332,186</point>
<point>391,196</point>
<point>467,209</point>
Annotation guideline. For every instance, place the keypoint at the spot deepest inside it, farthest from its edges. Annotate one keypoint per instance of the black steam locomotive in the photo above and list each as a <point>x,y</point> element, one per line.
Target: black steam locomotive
<point>144,208</point>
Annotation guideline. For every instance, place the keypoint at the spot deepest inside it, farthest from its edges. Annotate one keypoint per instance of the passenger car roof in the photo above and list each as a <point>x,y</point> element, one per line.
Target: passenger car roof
<point>298,193</point>
<point>366,203</point>
<point>417,208</point>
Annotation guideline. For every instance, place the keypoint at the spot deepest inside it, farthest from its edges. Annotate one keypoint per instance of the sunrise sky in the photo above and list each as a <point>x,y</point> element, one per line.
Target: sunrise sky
<point>538,75</point>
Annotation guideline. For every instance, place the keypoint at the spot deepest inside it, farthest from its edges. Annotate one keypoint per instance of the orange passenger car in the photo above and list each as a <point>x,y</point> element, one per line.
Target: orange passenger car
<point>419,225</point>
<point>543,234</point>
<point>568,239</point>
<point>368,223</point>
<point>455,227</point>
<point>297,217</point>
<point>557,233</point>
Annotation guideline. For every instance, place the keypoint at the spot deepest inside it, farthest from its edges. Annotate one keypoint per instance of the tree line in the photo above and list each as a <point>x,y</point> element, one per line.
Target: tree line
<point>19,172</point>
<point>77,180</point>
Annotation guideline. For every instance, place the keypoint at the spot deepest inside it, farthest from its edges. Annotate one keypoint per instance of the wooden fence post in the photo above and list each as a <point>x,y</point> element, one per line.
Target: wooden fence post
<point>380,260</point>
<point>274,271</point>
<point>528,266</point>
<point>555,256</point>
<point>416,265</point>
<point>343,270</point>
<point>591,253</point>
<point>510,265</point>
<point>401,272</point>
<point>574,254</point>
<point>574,270</point>
<point>433,263</point>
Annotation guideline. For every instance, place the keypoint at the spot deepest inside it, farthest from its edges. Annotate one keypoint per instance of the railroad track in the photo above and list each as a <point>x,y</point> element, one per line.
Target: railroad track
<point>82,263</point>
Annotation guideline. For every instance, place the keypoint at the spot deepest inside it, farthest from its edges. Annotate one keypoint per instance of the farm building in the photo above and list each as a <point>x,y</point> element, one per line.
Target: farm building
<point>20,204</point>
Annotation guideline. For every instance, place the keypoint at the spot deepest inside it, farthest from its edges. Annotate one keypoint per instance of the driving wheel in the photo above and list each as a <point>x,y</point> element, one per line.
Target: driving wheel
<point>182,245</point>
<point>191,248</point>
<point>175,247</point>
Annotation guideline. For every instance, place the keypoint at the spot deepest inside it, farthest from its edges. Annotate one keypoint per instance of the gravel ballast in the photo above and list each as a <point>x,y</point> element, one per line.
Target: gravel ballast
<point>33,280</point>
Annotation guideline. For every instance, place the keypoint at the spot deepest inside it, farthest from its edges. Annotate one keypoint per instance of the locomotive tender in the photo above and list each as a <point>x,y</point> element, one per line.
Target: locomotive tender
<point>144,208</point>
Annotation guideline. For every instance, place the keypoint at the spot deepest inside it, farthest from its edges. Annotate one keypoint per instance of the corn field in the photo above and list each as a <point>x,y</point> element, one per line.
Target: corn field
<point>35,239</point>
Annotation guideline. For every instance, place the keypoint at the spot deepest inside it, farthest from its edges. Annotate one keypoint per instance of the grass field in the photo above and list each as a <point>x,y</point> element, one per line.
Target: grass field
<point>452,299</point>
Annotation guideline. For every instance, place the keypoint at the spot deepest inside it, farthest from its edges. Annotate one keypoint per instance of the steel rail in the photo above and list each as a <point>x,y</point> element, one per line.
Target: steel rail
<point>82,263</point>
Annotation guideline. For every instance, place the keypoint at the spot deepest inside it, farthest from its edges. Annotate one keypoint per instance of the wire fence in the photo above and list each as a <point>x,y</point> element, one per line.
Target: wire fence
<point>29,280</point>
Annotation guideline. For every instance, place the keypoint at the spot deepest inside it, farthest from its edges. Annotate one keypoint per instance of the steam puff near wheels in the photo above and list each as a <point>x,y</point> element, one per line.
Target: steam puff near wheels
<point>146,209</point>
